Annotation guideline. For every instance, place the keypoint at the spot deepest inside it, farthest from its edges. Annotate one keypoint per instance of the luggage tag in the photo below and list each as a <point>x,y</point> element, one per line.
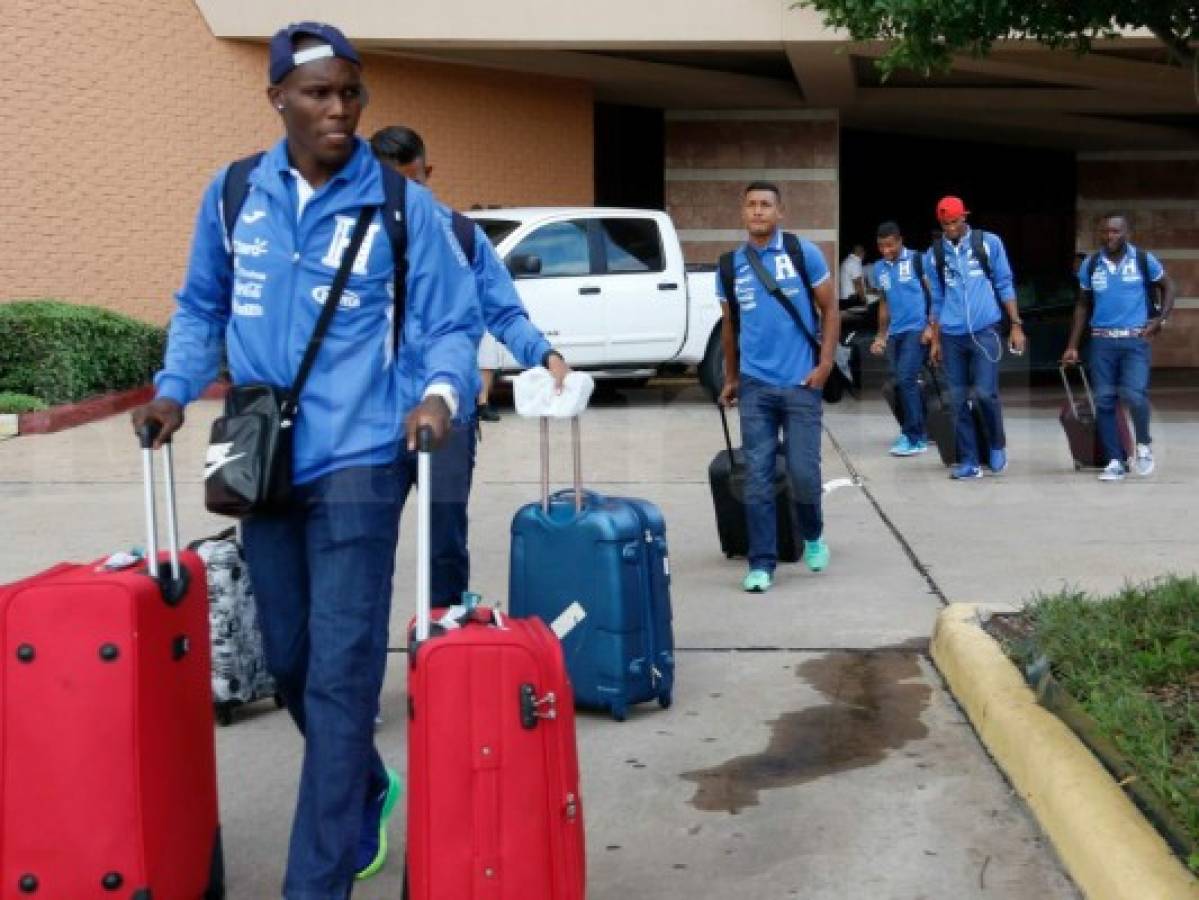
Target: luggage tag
<point>122,559</point>
<point>568,619</point>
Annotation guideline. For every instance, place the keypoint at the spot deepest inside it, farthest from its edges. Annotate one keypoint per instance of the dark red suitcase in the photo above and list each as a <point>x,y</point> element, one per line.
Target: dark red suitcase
<point>1080,422</point>
<point>494,811</point>
<point>107,767</point>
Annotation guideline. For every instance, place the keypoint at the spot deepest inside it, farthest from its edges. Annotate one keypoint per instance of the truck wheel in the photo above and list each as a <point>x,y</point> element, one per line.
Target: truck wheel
<point>711,369</point>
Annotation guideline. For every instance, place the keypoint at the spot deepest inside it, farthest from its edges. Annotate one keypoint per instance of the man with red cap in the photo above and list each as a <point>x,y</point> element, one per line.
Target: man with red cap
<point>971,286</point>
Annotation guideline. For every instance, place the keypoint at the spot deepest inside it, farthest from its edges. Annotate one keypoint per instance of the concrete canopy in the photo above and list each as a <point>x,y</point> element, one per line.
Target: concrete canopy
<point>715,54</point>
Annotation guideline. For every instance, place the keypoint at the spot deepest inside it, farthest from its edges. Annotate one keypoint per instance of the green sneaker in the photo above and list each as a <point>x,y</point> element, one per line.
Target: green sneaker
<point>758,581</point>
<point>372,844</point>
<point>816,555</point>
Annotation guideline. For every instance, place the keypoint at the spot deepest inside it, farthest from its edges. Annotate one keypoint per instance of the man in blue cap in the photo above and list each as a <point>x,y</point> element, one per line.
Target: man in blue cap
<point>322,569</point>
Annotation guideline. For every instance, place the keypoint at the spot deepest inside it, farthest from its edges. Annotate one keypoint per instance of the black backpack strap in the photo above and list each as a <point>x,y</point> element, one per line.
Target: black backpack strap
<point>918,268</point>
<point>234,192</point>
<point>464,234</point>
<point>772,288</point>
<point>395,190</point>
<point>795,250</point>
<point>728,283</point>
<point>1089,265</point>
<point>1150,291</point>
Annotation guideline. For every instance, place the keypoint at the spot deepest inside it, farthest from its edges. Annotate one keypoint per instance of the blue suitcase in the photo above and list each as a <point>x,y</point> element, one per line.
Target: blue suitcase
<point>596,569</point>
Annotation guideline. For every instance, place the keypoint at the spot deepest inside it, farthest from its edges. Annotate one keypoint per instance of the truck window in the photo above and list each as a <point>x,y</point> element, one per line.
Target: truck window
<point>632,245</point>
<point>561,246</point>
<point>497,229</point>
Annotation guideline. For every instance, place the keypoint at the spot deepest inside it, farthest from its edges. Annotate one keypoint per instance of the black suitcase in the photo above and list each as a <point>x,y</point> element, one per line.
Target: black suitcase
<point>726,474</point>
<point>929,390</point>
<point>941,427</point>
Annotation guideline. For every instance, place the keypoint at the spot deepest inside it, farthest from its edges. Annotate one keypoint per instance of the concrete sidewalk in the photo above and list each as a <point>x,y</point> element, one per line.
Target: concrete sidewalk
<point>812,750</point>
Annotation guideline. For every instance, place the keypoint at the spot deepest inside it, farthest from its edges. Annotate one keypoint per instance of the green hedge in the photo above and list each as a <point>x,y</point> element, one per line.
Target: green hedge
<point>19,403</point>
<point>61,353</point>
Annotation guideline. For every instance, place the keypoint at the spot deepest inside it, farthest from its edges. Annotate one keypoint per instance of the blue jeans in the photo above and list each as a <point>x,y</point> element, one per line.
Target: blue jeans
<point>322,577</point>
<point>453,470</point>
<point>972,364</point>
<point>908,356</point>
<point>1120,367</point>
<point>796,411</point>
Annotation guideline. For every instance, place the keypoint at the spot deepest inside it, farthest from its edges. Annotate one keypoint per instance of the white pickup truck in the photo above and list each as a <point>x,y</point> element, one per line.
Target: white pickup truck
<point>609,288</point>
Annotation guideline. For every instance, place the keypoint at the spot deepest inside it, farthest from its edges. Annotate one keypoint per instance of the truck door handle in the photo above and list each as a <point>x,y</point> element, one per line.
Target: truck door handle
<point>668,286</point>
<point>589,290</point>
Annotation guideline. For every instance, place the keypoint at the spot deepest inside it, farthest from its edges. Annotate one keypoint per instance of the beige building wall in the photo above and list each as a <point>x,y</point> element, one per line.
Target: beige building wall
<point>1160,193</point>
<point>712,155</point>
<point>114,116</point>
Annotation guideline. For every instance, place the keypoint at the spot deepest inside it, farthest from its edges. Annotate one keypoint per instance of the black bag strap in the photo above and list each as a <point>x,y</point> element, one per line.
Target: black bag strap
<point>795,250</point>
<point>918,268</point>
<point>234,191</point>
<point>772,287</point>
<point>291,400</point>
<point>1150,291</point>
<point>464,233</point>
<point>395,192</point>
<point>728,283</point>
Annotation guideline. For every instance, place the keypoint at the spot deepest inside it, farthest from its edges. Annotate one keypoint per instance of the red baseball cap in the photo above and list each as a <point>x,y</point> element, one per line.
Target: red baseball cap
<point>950,208</point>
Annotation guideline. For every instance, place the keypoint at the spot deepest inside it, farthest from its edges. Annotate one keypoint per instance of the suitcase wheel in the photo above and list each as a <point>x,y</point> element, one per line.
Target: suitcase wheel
<point>224,714</point>
<point>620,713</point>
<point>280,703</point>
<point>1077,466</point>
<point>665,700</point>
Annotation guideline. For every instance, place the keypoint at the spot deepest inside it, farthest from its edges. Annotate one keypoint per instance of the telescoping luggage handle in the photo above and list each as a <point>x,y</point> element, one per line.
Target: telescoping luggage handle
<point>174,584</point>
<point>576,451</point>
<point>1086,384</point>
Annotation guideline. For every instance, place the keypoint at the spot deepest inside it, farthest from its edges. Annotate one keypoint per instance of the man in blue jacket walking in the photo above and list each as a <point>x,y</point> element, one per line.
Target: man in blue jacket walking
<point>971,284</point>
<point>903,327</point>
<point>507,320</point>
<point>322,569</point>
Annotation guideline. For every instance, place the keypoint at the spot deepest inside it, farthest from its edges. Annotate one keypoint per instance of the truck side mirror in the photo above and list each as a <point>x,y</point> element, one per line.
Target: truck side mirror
<point>524,264</point>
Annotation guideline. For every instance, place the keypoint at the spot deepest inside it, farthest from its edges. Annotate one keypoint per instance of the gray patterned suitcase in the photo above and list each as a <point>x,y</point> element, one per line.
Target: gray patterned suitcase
<point>239,673</point>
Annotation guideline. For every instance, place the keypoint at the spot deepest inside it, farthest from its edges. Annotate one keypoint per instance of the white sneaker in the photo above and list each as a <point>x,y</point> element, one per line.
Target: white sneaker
<point>1143,464</point>
<point>1115,471</point>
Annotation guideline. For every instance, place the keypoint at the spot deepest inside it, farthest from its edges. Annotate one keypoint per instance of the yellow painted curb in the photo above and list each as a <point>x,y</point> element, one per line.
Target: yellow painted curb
<point>1111,851</point>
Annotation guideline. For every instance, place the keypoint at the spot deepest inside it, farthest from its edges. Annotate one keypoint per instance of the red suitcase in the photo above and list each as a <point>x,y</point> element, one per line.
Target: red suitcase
<point>1080,422</point>
<point>107,767</point>
<point>494,811</point>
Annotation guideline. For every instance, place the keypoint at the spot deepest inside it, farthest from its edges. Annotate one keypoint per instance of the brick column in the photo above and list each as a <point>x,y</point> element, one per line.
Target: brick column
<point>712,155</point>
<point>1159,190</point>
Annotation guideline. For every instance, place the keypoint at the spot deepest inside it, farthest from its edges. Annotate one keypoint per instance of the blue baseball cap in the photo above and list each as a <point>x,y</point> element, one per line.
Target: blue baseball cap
<point>283,54</point>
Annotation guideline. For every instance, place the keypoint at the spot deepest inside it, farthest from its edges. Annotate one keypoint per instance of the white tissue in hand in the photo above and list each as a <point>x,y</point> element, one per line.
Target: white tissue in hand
<point>535,396</point>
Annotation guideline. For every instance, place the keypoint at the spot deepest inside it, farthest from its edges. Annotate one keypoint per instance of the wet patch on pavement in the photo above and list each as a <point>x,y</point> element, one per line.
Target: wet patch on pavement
<point>875,698</point>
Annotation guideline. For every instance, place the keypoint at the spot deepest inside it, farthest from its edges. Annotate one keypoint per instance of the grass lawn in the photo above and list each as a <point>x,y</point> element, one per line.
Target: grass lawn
<point>1132,662</point>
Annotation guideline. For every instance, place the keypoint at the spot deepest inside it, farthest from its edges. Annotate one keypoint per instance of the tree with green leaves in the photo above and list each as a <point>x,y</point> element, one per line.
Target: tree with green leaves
<point>927,33</point>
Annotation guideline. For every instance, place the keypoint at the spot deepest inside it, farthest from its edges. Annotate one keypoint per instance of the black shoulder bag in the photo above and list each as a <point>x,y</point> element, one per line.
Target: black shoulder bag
<point>835,384</point>
<point>248,469</point>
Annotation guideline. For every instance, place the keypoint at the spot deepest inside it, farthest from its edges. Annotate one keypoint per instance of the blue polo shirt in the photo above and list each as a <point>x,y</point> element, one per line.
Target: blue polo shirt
<point>773,349</point>
<point>900,282</point>
<point>1119,289</point>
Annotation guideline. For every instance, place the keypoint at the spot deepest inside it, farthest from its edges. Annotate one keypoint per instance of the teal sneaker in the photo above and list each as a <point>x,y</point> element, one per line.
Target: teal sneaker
<point>372,843</point>
<point>901,447</point>
<point>758,581</point>
<point>918,447</point>
<point>816,554</point>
